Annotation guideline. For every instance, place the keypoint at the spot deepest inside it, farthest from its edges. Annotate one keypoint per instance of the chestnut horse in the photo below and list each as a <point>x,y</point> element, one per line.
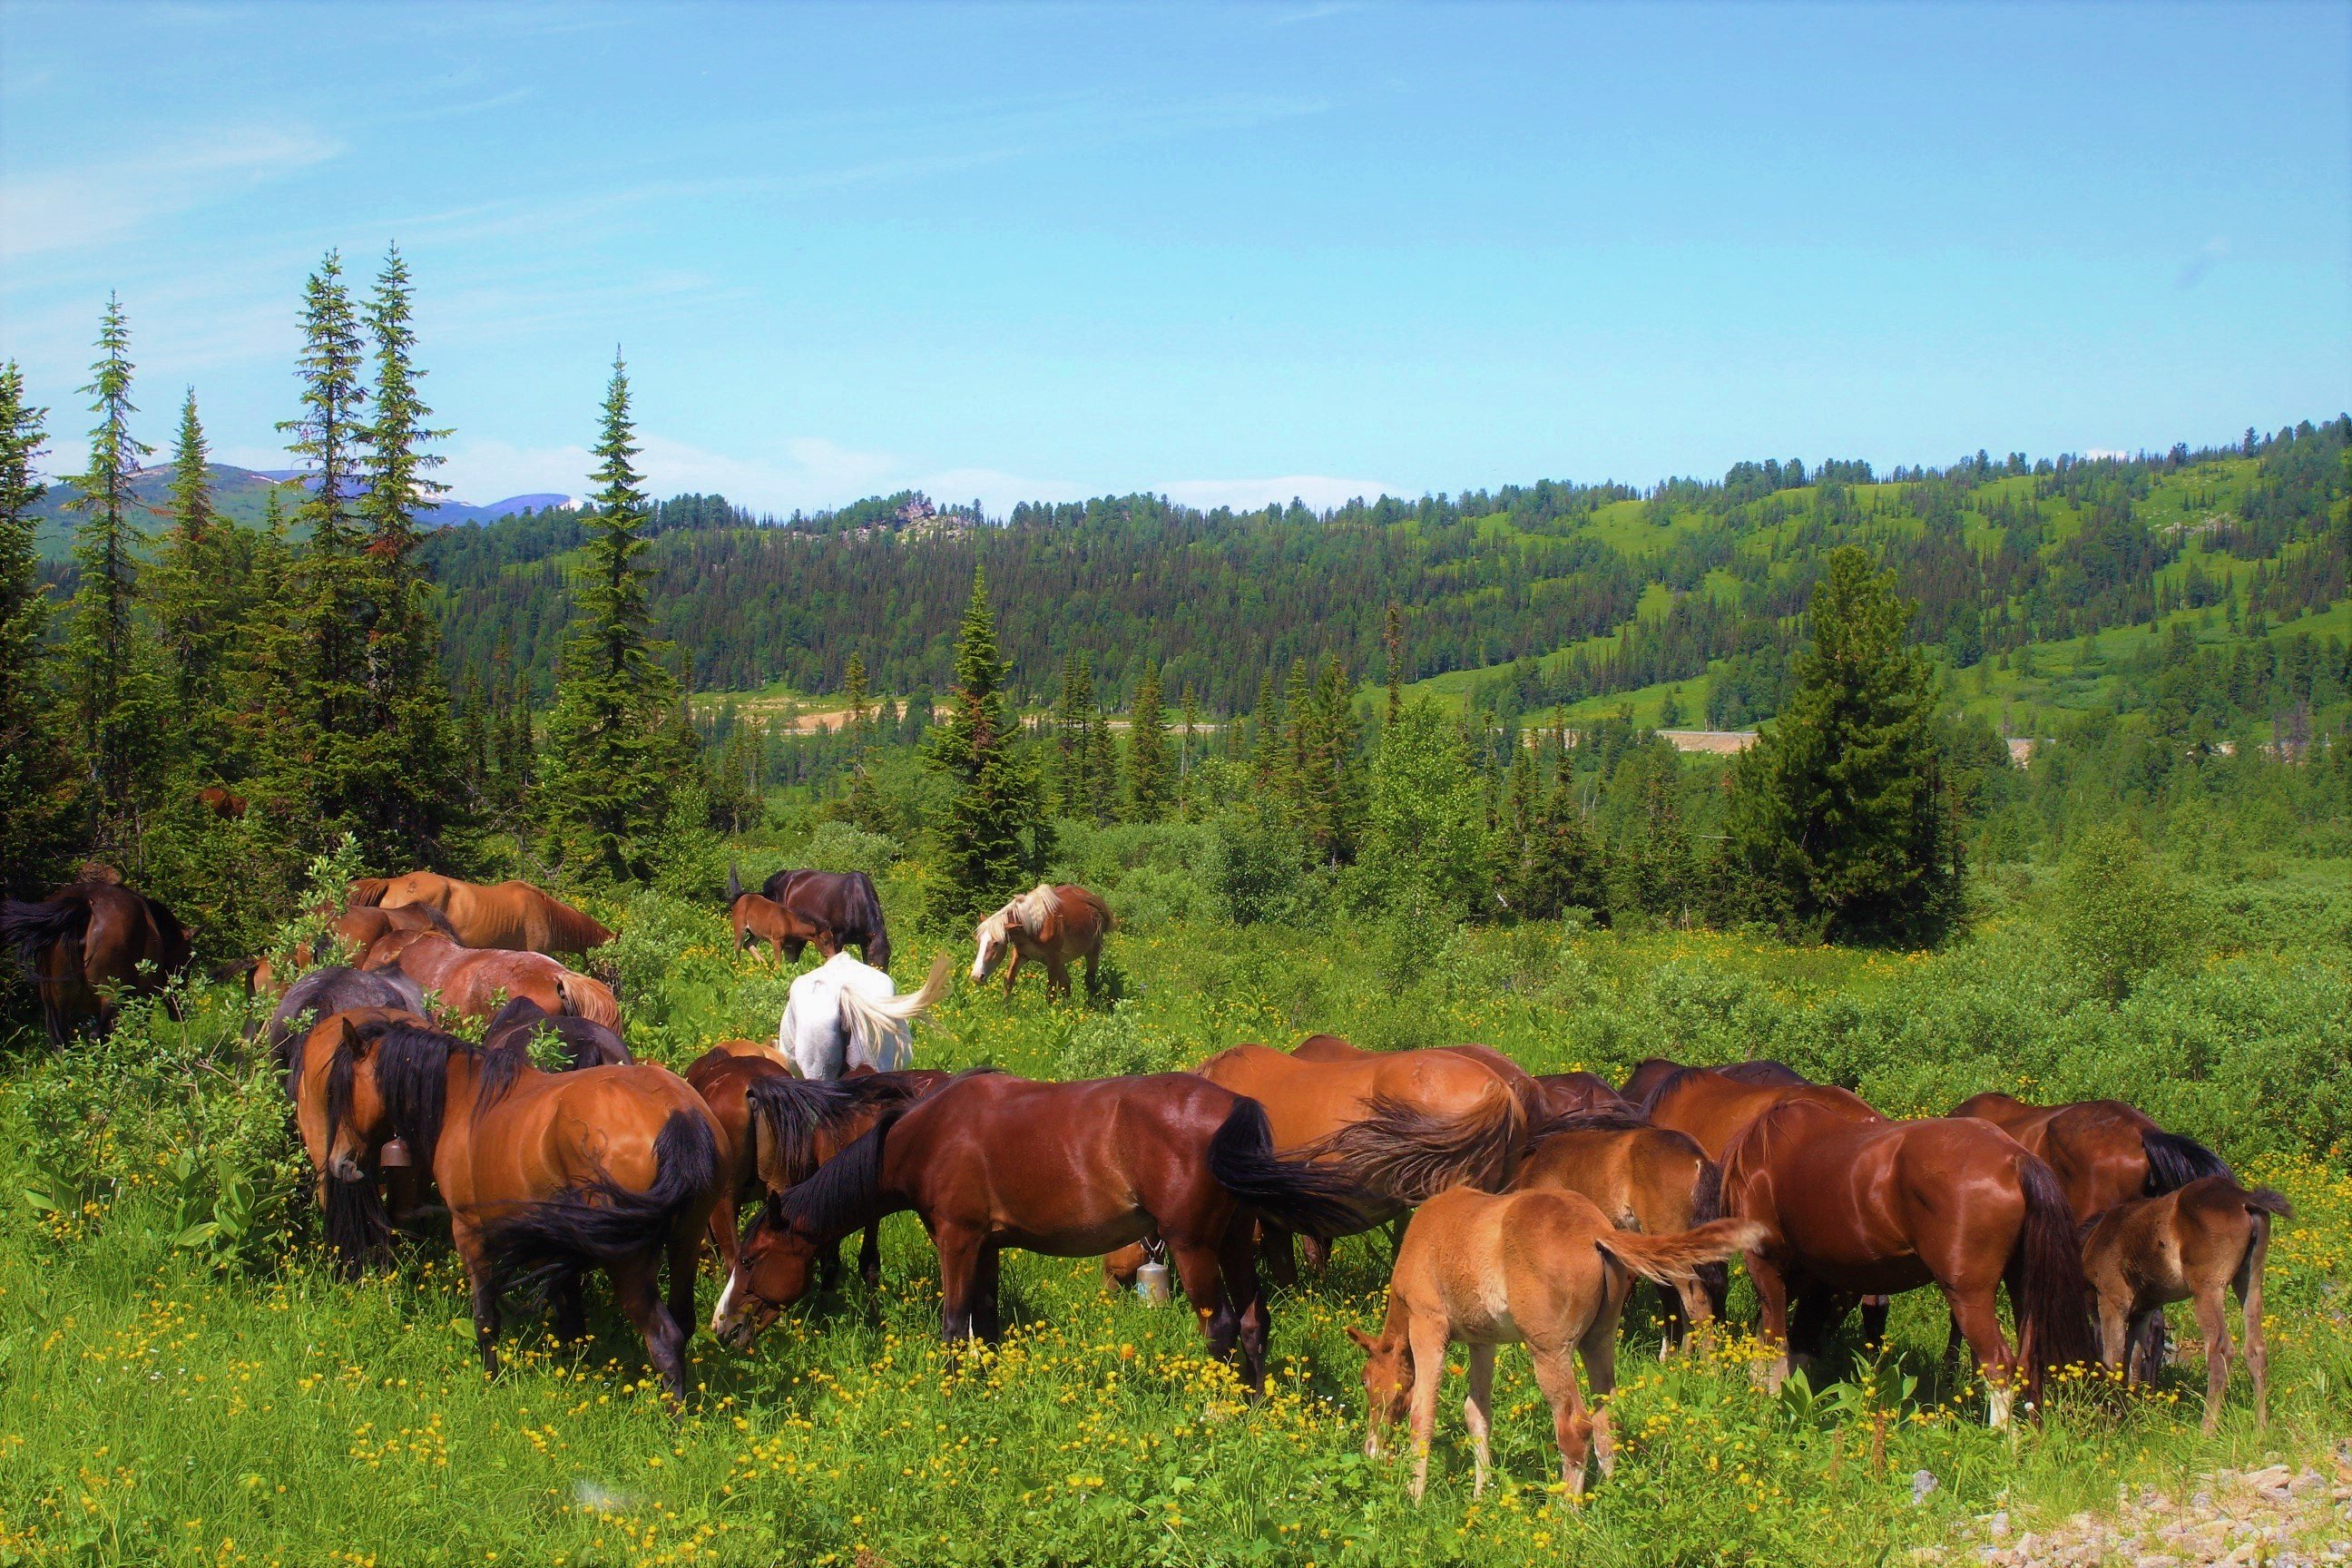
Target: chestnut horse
<point>2105,1151</point>
<point>89,941</point>
<point>758,918</point>
<point>1651,1071</point>
<point>474,983</point>
<point>357,929</point>
<point>512,915</point>
<point>323,993</point>
<point>586,1043</point>
<point>1567,1094</point>
<point>1545,1268</point>
<point>1650,1179</point>
<point>989,1161</point>
<point>1853,1203</point>
<point>842,902</point>
<point>614,1167</point>
<point>1715,1105</point>
<point>1048,925</point>
<point>2189,1245</point>
<point>777,1128</point>
<point>319,1082</point>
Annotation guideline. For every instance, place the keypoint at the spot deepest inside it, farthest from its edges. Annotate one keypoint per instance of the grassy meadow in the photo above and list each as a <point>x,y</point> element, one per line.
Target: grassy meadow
<point>183,1381</point>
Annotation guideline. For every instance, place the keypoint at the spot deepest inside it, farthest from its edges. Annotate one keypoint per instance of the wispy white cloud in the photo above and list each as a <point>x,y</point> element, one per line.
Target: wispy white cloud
<point>1320,491</point>
<point>93,203</point>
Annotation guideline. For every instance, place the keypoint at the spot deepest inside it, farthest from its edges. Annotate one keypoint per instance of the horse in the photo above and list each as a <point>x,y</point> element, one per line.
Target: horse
<point>512,915</point>
<point>780,1128</point>
<point>1651,1071</point>
<point>989,1161</point>
<point>226,804</point>
<point>2188,1245</point>
<point>474,983</point>
<point>357,929</point>
<point>1853,1203</point>
<point>1650,1179</point>
<point>89,941</point>
<point>1333,1048</point>
<point>319,1081</point>
<point>615,1167</point>
<point>1572,1094</point>
<point>1715,1105</point>
<point>757,917</point>
<point>1049,925</point>
<point>324,992</point>
<point>586,1043</point>
<point>1541,1266</point>
<point>844,1013</point>
<point>842,902</point>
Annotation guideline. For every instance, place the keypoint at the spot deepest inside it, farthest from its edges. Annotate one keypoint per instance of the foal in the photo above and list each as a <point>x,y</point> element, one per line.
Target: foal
<point>2188,1245</point>
<point>758,919</point>
<point>1546,1268</point>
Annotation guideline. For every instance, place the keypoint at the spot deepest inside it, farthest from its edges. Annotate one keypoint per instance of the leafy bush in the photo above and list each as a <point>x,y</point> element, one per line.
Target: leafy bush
<point>2118,912</point>
<point>1256,869</point>
<point>839,846</point>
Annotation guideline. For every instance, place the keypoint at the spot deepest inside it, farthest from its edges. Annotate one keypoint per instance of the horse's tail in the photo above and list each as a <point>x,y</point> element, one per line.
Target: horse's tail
<point>366,892</point>
<point>868,1020</point>
<point>2263,1201</point>
<point>1408,1154</point>
<point>865,913</point>
<point>2174,1161</point>
<point>1310,1199</point>
<point>2047,1288</point>
<point>734,883</point>
<point>1707,1204</point>
<point>33,928</point>
<point>585,998</point>
<point>602,1221</point>
<point>1679,1255</point>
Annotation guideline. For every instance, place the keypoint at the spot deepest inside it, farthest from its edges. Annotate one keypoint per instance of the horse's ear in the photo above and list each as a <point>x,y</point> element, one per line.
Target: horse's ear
<point>1364,1342</point>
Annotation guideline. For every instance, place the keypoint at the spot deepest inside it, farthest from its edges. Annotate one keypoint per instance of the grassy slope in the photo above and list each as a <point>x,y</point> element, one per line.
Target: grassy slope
<point>152,1412</point>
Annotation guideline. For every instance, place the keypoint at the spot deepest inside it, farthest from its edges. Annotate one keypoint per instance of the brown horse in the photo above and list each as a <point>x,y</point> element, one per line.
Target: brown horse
<point>2106,1153</point>
<point>778,1128</point>
<point>89,942</point>
<point>1651,1071</point>
<point>512,915</point>
<point>614,1167</point>
<point>1715,1105</point>
<point>359,1228</point>
<point>474,983</point>
<point>585,1042</point>
<point>1853,1203</point>
<point>2189,1245</point>
<point>1049,925</point>
<point>842,902</point>
<point>1650,1179</point>
<point>226,804</point>
<point>1567,1094</point>
<point>1545,1268</point>
<point>757,919</point>
<point>357,929</point>
<point>990,1161</point>
<point>323,993</point>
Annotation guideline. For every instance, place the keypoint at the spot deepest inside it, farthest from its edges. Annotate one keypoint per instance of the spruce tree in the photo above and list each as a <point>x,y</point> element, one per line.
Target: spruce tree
<point>1102,772</point>
<point>327,439</point>
<point>1074,722</point>
<point>113,696</point>
<point>36,778</point>
<point>1151,791</point>
<point>199,581</point>
<point>994,795</point>
<point>1392,643</point>
<point>614,749</point>
<point>1839,817</point>
<point>852,691</point>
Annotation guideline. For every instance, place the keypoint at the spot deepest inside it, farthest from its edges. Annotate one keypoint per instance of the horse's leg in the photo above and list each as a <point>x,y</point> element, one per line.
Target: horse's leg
<point>1315,1253</point>
<point>1058,977</point>
<point>1690,1318</point>
<point>1429,1340</point>
<point>1978,1316</point>
<point>828,1267</point>
<point>483,1280</point>
<point>2117,1330</point>
<point>2249,1284</point>
<point>685,1263</point>
<point>1571,1428</point>
<point>869,1257</point>
<point>1093,957</point>
<point>637,1284</point>
<point>1274,1245</point>
<point>2216,1324</point>
<point>1874,1325</point>
<point>1237,1262</point>
<point>571,1311</point>
<point>959,1249</point>
<point>1201,1272</point>
<point>1771,1317</point>
<point>1477,1409</point>
<point>1012,969</point>
<point>986,1304</point>
<point>1599,1349</point>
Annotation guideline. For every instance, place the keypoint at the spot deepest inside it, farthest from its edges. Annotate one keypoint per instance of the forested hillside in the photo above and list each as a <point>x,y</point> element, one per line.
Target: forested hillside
<point>1561,593</point>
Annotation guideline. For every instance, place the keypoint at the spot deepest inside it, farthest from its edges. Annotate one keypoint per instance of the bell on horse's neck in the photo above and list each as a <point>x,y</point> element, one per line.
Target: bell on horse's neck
<point>394,1155</point>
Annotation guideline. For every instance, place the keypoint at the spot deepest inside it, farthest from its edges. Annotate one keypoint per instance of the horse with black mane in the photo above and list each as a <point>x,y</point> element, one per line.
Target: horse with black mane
<point>323,993</point>
<point>586,1043</point>
<point>990,1161</point>
<point>843,903</point>
<point>89,941</point>
<point>546,1175</point>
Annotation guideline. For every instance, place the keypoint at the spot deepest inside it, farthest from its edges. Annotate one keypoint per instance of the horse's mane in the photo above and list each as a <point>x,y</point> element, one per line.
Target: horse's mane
<point>991,926</point>
<point>412,1074</point>
<point>791,1111</point>
<point>842,1194</point>
<point>1601,1119</point>
<point>1036,906</point>
<point>366,892</point>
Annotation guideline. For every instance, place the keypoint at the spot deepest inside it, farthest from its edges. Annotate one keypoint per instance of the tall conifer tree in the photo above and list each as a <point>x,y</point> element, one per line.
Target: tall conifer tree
<point>199,580</point>
<point>34,773</point>
<point>1151,787</point>
<point>982,856</point>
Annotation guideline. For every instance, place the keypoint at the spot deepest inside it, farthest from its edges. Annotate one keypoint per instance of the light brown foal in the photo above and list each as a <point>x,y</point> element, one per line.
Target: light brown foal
<point>1545,1269</point>
<point>1650,1179</point>
<point>2188,1245</point>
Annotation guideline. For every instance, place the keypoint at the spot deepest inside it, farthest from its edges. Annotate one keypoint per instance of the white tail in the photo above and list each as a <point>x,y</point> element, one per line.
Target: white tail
<point>874,1022</point>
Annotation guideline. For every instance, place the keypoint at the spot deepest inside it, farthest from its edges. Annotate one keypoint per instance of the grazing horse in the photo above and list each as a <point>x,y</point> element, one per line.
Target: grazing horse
<point>512,915</point>
<point>842,902</point>
<point>2105,1151</point>
<point>323,993</point>
<point>1049,925</point>
<point>586,1043</point>
<point>1853,1203</point>
<point>1545,1268</point>
<point>226,804</point>
<point>613,1167</point>
<point>844,1014</point>
<point>1713,1105</point>
<point>779,1129</point>
<point>1650,1179</point>
<point>89,941</point>
<point>989,1161</point>
<point>357,929</point>
<point>758,918</point>
<point>359,1228</point>
<point>474,983</point>
<point>1568,1094</point>
<point>1651,1071</point>
<point>2188,1245</point>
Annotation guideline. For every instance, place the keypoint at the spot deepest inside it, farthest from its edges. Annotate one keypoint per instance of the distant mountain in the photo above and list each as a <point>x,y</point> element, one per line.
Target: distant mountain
<point>242,496</point>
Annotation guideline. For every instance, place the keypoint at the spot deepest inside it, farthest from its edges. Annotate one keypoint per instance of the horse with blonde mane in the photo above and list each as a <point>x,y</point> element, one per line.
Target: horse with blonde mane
<point>475,983</point>
<point>512,915</point>
<point>1049,925</point>
<point>844,1014</point>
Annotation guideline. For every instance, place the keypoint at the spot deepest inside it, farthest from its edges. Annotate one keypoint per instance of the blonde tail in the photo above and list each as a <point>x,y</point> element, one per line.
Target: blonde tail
<point>1674,1257</point>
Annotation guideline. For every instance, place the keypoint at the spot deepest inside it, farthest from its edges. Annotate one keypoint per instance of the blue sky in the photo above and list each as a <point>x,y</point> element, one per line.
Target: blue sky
<point>1228,253</point>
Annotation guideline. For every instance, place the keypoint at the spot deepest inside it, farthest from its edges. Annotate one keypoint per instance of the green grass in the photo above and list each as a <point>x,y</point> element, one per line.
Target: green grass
<point>152,1410</point>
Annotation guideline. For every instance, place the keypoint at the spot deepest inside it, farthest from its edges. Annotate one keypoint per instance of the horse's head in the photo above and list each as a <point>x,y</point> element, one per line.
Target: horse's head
<point>358,1123</point>
<point>992,937</point>
<point>773,1267</point>
<point>1388,1383</point>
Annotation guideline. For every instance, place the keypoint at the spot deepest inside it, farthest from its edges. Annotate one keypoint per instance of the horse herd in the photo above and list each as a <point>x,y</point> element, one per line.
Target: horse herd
<point>1530,1206</point>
